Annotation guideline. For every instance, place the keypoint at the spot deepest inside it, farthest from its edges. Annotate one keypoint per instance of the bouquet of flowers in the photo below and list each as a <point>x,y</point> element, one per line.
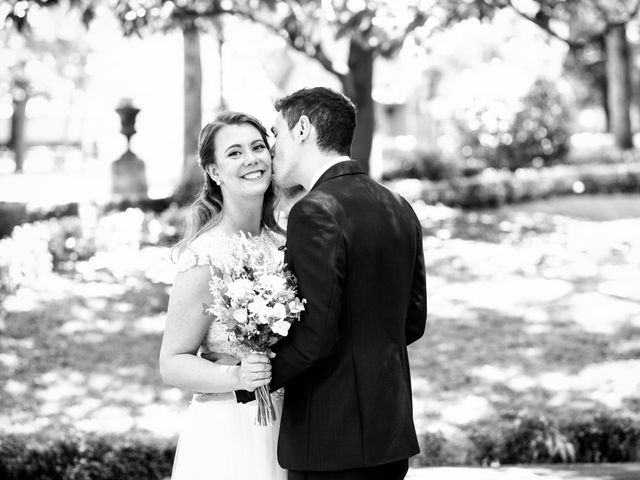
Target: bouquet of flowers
<point>257,302</point>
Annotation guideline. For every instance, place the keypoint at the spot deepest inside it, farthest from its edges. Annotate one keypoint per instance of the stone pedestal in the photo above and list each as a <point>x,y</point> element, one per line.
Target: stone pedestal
<point>129,179</point>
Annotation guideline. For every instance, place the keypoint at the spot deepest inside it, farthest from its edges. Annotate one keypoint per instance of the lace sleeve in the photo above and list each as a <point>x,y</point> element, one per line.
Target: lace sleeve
<point>195,255</point>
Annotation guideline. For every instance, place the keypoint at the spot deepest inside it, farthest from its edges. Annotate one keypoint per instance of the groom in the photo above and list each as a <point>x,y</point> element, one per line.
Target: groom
<point>356,248</point>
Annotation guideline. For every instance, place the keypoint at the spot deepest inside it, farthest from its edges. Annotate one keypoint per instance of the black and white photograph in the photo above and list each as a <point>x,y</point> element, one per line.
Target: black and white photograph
<point>319,239</point>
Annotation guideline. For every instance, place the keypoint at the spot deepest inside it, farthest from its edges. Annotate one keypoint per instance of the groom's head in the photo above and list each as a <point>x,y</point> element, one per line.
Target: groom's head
<point>311,119</point>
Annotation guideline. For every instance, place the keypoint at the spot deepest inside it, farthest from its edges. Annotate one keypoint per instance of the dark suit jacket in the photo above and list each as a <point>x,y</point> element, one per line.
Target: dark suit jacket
<point>356,248</point>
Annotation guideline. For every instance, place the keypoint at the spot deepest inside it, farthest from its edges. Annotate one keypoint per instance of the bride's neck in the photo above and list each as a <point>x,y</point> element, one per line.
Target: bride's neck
<point>241,216</point>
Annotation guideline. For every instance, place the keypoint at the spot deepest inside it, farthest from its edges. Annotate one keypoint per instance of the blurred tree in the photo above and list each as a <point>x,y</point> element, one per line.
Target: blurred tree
<point>33,64</point>
<point>191,17</point>
<point>345,37</point>
<point>535,135</point>
<point>310,26</point>
<point>595,24</point>
<point>137,19</point>
<point>587,66</point>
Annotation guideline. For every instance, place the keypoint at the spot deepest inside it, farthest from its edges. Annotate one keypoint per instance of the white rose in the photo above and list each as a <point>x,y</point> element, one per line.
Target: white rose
<point>240,315</point>
<point>240,289</point>
<point>273,283</point>
<point>278,311</point>
<point>281,327</point>
<point>260,308</point>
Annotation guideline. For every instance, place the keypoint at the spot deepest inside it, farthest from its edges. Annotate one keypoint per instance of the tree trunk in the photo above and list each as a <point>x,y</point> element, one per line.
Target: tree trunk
<point>18,122</point>
<point>191,174</point>
<point>358,85</point>
<point>619,85</point>
<point>601,82</point>
<point>219,26</point>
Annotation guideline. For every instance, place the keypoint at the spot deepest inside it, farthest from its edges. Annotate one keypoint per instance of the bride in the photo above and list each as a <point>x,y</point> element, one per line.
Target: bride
<point>218,438</point>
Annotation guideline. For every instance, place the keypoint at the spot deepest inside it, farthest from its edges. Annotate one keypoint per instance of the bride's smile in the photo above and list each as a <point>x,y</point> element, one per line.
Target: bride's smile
<point>244,163</point>
<point>253,175</point>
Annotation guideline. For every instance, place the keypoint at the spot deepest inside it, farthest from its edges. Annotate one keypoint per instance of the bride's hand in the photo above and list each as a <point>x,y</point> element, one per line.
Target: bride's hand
<point>254,371</point>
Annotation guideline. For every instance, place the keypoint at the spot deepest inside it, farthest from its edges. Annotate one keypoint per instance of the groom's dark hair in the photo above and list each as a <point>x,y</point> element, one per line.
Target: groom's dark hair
<point>332,114</point>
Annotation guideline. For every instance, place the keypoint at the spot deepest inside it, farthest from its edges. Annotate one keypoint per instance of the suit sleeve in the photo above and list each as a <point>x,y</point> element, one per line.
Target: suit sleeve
<point>317,256</point>
<point>416,320</point>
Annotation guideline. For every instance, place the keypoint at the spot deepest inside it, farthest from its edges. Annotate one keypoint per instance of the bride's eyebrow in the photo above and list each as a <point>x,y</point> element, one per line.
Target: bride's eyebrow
<point>235,145</point>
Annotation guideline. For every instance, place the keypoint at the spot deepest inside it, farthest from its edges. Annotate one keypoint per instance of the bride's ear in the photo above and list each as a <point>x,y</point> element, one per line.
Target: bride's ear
<point>212,172</point>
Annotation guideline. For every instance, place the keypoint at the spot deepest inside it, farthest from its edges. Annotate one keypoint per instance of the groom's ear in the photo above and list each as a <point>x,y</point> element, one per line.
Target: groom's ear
<point>302,128</point>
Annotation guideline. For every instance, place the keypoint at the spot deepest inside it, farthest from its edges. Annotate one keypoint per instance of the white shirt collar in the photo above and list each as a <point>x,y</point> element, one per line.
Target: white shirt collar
<point>324,168</point>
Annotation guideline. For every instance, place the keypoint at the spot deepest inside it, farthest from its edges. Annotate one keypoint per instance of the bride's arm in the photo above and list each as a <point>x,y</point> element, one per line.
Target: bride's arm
<point>185,328</point>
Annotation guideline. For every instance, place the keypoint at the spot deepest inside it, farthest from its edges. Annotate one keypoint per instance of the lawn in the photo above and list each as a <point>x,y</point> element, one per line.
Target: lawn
<point>532,308</point>
<point>530,312</point>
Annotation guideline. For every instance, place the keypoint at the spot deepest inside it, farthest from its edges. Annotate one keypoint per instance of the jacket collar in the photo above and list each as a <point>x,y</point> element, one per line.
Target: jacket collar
<point>350,167</point>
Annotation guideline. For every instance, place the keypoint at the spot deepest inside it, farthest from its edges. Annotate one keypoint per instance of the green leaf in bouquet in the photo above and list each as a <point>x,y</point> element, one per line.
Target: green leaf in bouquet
<point>217,271</point>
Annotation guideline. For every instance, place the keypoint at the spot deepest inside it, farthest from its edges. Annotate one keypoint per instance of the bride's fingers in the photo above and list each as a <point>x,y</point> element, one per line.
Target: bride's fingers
<point>259,367</point>
<point>255,358</point>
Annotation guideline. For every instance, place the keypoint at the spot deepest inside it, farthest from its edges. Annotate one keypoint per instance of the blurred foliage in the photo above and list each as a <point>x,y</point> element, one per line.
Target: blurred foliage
<point>605,438</point>
<point>586,20</point>
<point>315,28</point>
<point>586,66</point>
<point>381,26</point>
<point>79,457</point>
<point>34,250</point>
<point>11,214</point>
<point>434,451</point>
<point>24,258</point>
<point>528,439</point>
<point>537,135</point>
<point>427,164</point>
<point>493,188</point>
<point>67,244</point>
<point>536,439</point>
<point>540,130</point>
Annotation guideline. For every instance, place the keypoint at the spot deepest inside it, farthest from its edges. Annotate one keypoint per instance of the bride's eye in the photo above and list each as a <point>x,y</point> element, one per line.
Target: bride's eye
<point>259,147</point>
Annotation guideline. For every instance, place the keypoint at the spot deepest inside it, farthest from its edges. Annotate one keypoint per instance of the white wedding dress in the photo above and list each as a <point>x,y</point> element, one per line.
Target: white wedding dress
<point>218,438</point>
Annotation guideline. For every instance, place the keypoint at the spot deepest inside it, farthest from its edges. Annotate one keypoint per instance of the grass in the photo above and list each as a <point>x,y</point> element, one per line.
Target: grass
<point>528,312</point>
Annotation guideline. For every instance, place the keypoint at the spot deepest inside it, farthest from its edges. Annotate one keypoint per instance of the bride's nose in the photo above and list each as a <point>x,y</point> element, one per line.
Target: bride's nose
<point>250,158</point>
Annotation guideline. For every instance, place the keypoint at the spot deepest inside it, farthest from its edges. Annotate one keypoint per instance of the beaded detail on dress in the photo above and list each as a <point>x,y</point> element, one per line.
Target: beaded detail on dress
<point>212,248</point>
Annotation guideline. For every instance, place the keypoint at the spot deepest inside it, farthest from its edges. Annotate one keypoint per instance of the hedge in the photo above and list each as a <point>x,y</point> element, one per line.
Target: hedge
<point>79,457</point>
<point>601,437</point>
<point>493,188</point>
<point>594,438</point>
<point>14,214</point>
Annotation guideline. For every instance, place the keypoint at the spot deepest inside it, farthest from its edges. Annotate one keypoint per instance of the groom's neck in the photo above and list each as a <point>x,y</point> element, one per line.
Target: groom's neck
<point>314,163</point>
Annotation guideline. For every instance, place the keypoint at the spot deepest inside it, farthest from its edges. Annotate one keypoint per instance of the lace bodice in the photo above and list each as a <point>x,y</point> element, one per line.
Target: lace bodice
<point>214,249</point>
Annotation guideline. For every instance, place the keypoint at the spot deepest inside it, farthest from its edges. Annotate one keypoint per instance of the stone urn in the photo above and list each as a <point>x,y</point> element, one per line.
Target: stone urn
<point>128,174</point>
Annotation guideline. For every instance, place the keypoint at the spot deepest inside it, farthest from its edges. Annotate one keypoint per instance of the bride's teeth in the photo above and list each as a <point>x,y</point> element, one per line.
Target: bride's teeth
<point>252,175</point>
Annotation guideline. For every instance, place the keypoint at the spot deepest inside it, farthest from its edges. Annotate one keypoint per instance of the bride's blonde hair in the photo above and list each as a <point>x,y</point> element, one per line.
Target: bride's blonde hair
<point>204,212</point>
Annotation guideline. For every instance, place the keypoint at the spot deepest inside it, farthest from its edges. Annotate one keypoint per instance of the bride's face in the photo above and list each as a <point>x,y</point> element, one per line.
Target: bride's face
<point>243,163</point>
